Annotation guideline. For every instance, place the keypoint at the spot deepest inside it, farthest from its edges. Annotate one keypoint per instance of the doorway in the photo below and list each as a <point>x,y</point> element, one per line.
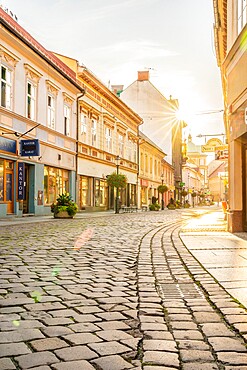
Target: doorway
<point>29,189</point>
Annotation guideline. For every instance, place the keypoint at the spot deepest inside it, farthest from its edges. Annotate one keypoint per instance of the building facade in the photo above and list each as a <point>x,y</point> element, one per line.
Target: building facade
<point>38,125</point>
<point>107,128</point>
<point>153,171</point>
<point>230,31</point>
<point>160,122</point>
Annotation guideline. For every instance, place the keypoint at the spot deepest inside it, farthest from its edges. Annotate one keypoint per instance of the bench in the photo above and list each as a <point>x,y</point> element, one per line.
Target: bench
<point>130,209</point>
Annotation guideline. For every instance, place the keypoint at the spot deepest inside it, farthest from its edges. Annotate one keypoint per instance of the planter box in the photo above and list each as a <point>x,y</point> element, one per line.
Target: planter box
<point>62,214</point>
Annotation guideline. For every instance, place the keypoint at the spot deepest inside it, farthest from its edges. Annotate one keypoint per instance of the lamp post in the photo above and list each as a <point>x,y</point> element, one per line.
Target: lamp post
<point>162,199</point>
<point>117,160</point>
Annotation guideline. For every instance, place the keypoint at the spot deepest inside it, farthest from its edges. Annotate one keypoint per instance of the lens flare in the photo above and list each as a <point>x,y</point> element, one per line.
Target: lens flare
<point>36,295</point>
<point>83,238</point>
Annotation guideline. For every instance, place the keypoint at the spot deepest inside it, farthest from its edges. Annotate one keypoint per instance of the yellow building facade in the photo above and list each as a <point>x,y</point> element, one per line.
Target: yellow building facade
<point>230,34</point>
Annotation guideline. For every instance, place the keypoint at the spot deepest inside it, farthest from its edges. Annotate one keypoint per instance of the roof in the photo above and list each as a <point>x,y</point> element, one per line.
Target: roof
<point>12,26</point>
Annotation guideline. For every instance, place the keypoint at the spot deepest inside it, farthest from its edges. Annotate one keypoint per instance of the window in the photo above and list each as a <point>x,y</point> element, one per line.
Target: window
<point>84,191</point>
<point>146,163</point>
<point>242,14</point>
<point>67,111</point>
<point>51,111</point>
<point>142,162</point>
<point>121,145</point>
<point>31,100</point>
<point>6,78</point>
<point>135,152</point>
<point>108,139</point>
<point>83,128</point>
<point>94,132</point>
<point>151,165</point>
<point>6,180</point>
<point>129,150</point>
<point>56,182</point>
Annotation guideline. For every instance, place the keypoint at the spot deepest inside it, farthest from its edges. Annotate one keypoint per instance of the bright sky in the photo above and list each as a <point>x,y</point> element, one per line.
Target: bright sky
<point>116,38</point>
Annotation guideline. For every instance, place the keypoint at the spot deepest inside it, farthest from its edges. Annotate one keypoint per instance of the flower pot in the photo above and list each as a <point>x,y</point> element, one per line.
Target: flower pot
<point>62,214</point>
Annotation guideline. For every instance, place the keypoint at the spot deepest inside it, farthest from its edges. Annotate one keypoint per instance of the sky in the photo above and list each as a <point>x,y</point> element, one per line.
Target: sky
<point>173,39</point>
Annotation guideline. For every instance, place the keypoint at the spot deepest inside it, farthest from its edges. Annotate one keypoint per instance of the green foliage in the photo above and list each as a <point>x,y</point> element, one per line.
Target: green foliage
<point>117,180</point>
<point>162,189</point>
<point>154,207</point>
<point>171,206</point>
<point>64,203</point>
<point>184,193</point>
<point>186,205</point>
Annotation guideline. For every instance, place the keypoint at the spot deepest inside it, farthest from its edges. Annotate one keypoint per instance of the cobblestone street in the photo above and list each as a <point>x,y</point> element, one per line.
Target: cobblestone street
<point>114,292</point>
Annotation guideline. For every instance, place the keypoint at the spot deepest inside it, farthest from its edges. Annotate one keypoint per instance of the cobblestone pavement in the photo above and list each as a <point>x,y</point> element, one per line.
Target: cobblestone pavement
<point>113,292</point>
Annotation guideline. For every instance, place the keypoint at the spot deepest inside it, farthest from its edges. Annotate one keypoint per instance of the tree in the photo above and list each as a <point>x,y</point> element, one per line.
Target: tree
<point>118,181</point>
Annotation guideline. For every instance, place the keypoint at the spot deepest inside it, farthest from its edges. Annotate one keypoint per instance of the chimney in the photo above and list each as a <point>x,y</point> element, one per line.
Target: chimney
<point>143,75</point>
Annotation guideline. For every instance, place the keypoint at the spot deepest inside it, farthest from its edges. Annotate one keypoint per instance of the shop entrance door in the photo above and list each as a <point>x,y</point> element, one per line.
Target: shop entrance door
<point>9,191</point>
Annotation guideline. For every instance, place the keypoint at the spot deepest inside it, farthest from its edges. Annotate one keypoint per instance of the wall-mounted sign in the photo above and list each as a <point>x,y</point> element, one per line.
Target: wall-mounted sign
<point>29,148</point>
<point>7,145</point>
<point>21,180</point>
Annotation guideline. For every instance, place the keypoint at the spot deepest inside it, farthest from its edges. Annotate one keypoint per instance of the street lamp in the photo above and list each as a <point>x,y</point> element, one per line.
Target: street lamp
<point>162,194</point>
<point>117,161</point>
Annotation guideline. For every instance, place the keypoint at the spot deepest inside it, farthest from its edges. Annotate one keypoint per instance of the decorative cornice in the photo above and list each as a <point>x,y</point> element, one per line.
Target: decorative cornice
<point>52,88</point>
<point>9,57</point>
<point>32,73</point>
<point>67,98</point>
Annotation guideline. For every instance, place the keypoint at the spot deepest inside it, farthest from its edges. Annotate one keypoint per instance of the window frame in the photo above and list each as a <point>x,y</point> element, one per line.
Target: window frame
<point>67,119</point>
<point>108,139</point>
<point>94,132</point>
<point>51,111</point>
<point>32,104</point>
<point>8,84</point>
<point>241,15</point>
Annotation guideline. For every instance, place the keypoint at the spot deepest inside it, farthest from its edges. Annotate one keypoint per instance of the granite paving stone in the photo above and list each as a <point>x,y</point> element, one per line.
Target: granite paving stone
<point>75,353</point>
<point>113,325</point>
<point>161,358</point>
<point>159,345</point>
<point>36,359</point>
<point>20,335</point>
<point>13,349</point>
<point>196,355</point>
<point>82,338</point>
<point>48,344</point>
<point>229,344</point>
<point>232,358</point>
<point>108,348</point>
<point>216,330</point>
<point>83,327</point>
<point>114,362</point>
<point>6,364</point>
<point>56,331</point>
<point>72,365</point>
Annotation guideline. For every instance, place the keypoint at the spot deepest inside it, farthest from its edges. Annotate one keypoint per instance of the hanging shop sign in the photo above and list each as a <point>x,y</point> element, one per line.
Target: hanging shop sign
<point>21,180</point>
<point>7,145</point>
<point>29,148</point>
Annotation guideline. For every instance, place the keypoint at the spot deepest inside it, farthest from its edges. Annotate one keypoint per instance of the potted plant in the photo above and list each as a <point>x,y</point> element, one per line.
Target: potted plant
<point>154,207</point>
<point>193,195</point>
<point>171,204</point>
<point>64,207</point>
